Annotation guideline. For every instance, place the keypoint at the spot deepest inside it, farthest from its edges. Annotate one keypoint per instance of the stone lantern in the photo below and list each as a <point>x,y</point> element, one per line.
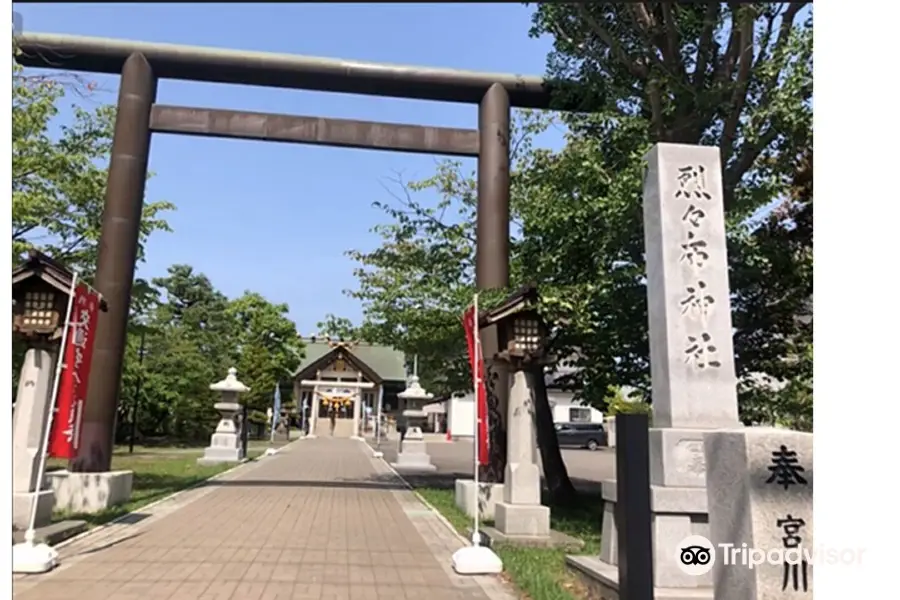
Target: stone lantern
<point>413,453</point>
<point>225,445</point>
<point>522,336</point>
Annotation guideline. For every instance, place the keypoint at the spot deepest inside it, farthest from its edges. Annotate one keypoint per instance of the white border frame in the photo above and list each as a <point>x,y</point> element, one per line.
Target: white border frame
<point>856,215</point>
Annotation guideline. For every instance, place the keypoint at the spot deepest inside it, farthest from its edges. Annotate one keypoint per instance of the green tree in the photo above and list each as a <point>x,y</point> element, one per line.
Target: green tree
<point>416,286</point>
<point>59,178</point>
<point>268,348</point>
<point>340,328</point>
<point>738,76</point>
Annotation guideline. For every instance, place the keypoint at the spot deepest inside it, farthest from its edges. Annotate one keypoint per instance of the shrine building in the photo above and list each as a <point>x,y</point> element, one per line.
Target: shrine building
<point>347,378</point>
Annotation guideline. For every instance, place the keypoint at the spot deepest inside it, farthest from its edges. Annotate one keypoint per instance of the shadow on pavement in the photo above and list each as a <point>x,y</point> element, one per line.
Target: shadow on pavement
<point>372,484</point>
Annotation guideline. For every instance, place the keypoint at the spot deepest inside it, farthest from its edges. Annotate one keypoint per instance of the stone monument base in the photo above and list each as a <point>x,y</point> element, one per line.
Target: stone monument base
<point>602,579</point>
<point>90,492</point>
<point>217,456</point>
<point>489,494</point>
<point>677,512</point>
<point>413,457</point>
<point>22,508</point>
<point>522,520</point>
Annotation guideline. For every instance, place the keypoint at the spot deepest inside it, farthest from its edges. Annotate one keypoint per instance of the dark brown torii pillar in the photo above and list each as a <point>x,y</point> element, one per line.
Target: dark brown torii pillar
<point>119,237</point>
<point>492,272</point>
<point>142,64</point>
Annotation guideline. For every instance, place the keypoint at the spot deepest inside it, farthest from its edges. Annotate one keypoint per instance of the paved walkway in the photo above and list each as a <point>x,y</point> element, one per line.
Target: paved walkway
<point>320,520</point>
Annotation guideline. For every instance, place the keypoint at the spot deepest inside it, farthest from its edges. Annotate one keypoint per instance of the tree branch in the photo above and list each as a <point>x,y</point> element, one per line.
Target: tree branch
<point>672,52</point>
<point>739,94</point>
<point>705,45</point>
<point>22,231</point>
<point>635,68</point>
<point>725,68</point>
<point>414,206</point>
<point>749,155</point>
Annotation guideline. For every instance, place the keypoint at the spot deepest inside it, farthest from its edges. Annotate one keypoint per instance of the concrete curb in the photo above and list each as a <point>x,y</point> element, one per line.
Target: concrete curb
<point>170,497</point>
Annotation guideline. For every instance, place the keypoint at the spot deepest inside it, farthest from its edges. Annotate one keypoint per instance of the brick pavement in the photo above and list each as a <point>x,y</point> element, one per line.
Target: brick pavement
<point>321,520</point>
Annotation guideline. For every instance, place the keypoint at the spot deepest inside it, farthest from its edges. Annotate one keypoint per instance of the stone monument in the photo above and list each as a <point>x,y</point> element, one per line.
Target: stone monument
<point>29,429</point>
<point>225,445</point>
<point>691,361</point>
<point>760,494</point>
<point>413,455</point>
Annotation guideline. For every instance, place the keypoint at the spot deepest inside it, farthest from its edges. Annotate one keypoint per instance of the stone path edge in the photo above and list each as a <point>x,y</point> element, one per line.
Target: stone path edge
<point>149,507</point>
<point>485,582</point>
<point>421,498</point>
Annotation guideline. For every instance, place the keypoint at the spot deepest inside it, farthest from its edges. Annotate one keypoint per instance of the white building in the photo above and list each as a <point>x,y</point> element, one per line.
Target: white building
<point>461,409</point>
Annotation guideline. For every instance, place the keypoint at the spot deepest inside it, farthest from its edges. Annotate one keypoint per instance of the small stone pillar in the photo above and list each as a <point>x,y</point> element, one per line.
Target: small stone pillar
<point>413,454</point>
<point>29,428</point>
<point>760,495</point>
<point>225,445</point>
<point>521,514</point>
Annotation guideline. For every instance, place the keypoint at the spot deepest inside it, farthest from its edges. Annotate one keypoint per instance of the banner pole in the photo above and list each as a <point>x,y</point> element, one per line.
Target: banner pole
<point>476,536</point>
<point>48,418</point>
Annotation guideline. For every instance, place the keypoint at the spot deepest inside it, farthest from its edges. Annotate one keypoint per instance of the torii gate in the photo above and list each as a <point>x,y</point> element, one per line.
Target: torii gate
<point>143,64</point>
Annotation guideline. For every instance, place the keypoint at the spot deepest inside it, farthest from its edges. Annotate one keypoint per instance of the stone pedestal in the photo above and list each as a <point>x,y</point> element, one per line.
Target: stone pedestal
<point>22,508</point>
<point>225,444</point>
<point>760,494</point>
<point>691,360</point>
<point>521,514</point>
<point>90,492</point>
<point>413,454</point>
<point>489,494</point>
<point>29,429</point>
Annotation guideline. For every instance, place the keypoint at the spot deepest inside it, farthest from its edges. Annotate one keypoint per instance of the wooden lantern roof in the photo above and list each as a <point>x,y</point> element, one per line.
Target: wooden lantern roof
<point>39,266</point>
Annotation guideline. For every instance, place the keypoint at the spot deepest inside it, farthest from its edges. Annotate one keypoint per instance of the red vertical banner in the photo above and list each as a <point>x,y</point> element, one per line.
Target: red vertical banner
<point>476,362</point>
<point>73,383</point>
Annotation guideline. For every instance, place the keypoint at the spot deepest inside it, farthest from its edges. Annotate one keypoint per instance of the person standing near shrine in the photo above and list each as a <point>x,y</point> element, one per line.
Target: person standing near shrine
<point>332,419</point>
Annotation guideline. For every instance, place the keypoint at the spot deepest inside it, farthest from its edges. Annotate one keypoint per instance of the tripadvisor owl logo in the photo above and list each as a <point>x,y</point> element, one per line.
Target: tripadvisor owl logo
<point>696,555</point>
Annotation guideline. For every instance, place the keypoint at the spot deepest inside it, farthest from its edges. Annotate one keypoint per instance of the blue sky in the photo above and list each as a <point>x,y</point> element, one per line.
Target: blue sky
<point>277,218</point>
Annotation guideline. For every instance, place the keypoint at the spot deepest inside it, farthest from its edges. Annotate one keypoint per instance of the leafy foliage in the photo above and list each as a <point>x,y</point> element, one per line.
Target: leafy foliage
<point>340,328</point>
<point>59,180</point>
<point>737,76</point>
<point>192,336</point>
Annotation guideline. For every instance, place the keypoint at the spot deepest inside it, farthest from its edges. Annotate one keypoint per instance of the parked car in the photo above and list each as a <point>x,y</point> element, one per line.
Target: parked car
<point>581,435</point>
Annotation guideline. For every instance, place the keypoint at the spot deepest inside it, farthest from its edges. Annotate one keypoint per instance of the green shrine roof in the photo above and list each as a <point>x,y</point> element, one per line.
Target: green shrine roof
<point>389,364</point>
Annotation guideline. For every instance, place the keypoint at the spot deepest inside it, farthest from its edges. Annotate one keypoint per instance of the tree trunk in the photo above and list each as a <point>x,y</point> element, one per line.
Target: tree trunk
<point>562,492</point>
<point>496,374</point>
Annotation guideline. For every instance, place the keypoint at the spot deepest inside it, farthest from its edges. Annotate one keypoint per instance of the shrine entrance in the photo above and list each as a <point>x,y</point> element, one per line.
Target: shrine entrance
<point>138,116</point>
<point>342,385</point>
